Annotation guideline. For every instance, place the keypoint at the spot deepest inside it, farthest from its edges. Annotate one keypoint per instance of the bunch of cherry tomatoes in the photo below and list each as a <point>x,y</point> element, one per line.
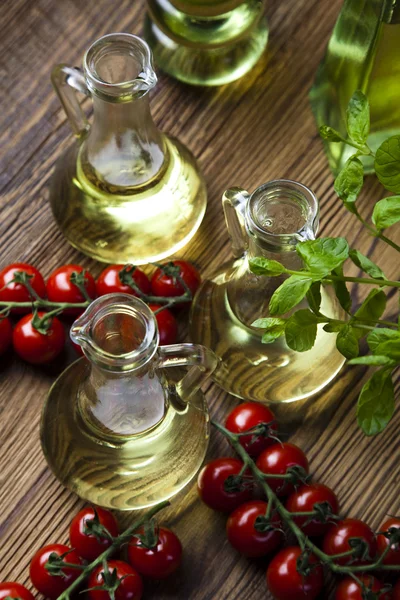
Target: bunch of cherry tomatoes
<point>255,531</point>
<point>55,567</point>
<point>41,347</point>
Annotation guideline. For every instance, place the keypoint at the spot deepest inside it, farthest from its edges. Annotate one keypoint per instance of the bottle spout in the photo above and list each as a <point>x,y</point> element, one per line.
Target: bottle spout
<point>234,202</point>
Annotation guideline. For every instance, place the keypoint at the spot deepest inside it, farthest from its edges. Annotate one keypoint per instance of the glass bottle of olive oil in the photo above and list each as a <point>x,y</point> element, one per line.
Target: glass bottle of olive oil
<point>363,53</point>
<point>124,192</point>
<point>206,42</point>
<point>126,427</point>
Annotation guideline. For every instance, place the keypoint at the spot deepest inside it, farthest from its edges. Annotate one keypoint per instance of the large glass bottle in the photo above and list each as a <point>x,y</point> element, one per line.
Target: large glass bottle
<point>363,53</point>
<point>124,427</point>
<point>269,222</point>
<point>206,42</point>
<point>124,192</point>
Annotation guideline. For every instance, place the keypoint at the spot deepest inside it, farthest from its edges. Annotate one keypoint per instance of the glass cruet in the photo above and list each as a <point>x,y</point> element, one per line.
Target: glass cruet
<point>269,222</point>
<point>124,192</point>
<point>126,426</point>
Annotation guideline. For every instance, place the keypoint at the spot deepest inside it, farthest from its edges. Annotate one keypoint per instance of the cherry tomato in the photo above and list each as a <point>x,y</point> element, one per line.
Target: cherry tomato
<point>349,589</point>
<point>109,282</point>
<point>10,589</point>
<point>276,460</point>
<point>60,288</point>
<point>167,285</point>
<point>167,325</point>
<point>157,562</point>
<point>211,485</point>
<point>248,538</point>
<point>304,499</point>
<point>16,292</point>
<point>49,585</point>
<point>84,538</point>
<point>129,588</point>
<point>393,556</point>
<point>35,347</point>
<point>286,583</point>
<point>396,591</point>
<point>336,540</point>
<point>6,334</point>
<point>249,415</point>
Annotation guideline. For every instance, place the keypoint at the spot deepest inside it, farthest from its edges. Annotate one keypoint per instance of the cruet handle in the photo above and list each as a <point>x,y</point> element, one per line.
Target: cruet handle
<point>201,360</point>
<point>66,80</point>
<point>234,203</point>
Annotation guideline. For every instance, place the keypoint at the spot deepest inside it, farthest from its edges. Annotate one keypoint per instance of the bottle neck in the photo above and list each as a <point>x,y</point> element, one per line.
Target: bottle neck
<point>124,148</point>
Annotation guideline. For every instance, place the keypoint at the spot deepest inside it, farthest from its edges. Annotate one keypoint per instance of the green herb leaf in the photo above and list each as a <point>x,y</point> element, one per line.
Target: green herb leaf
<point>289,294</point>
<point>380,336</point>
<point>386,212</point>
<point>391,348</point>
<point>332,327</point>
<point>358,118</point>
<point>341,291</point>
<point>376,403</point>
<point>387,164</point>
<point>373,306</point>
<point>274,328</point>
<point>347,342</point>
<point>264,266</point>
<point>328,133</point>
<point>349,182</point>
<point>314,297</point>
<point>366,265</point>
<point>373,361</point>
<point>323,254</point>
<point>301,330</point>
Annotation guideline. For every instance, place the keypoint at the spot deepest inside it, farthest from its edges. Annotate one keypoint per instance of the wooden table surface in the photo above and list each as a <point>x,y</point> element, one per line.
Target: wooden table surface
<point>257,129</point>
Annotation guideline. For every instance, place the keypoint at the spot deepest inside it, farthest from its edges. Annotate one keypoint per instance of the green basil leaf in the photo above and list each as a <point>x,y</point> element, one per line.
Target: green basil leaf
<point>366,265</point>
<point>328,133</point>
<point>347,342</point>
<point>373,306</point>
<point>267,322</point>
<point>391,348</point>
<point>265,266</point>
<point>358,118</point>
<point>314,297</point>
<point>349,182</point>
<point>376,403</point>
<point>323,255</point>
<point>373,361</point>
<point>289,294</point>
<point>386,212</point>
<point>274,328</point>
<point>301,330</point>
<point>341,291</point>
<point>379,336</point>
<point>387,164</point>
<point>332,327</point>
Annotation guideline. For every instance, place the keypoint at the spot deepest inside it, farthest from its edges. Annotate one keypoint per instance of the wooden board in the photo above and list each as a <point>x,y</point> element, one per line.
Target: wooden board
<point>257,129</point>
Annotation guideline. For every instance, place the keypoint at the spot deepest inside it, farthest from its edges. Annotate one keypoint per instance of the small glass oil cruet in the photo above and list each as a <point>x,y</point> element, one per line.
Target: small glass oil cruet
<point>269,222</point>
<point>127,426</point>
<point>124,192</point>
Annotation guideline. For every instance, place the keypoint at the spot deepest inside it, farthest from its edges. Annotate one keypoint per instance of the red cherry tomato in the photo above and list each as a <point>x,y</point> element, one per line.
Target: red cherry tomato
<point>109,282</point>
<point>10,589</point>
<point>6,334</point>
<point>60,288</point>
<point>249,415</point>
<point>247,533</point>
<point>277,460</point>
<point>168,285</point>
<point>396,591</point>
<point>167,325</point>
<point>393,556</point>
<point>349,589</point>
<point>16,292</point>
<point>336,540</point>
<point>129,588</point>
<point>49,585</point>
<point>157,562</point>
<point>286,583</point>
<point>212,488</point>
<point>84,535</point>
<point>35,347</point>
<point>304,499</point>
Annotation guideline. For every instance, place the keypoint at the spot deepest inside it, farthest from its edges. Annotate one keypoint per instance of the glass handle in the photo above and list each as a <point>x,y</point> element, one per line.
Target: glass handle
<point>234,203</point>
<point>201,360</point>
<point>66,81</point>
